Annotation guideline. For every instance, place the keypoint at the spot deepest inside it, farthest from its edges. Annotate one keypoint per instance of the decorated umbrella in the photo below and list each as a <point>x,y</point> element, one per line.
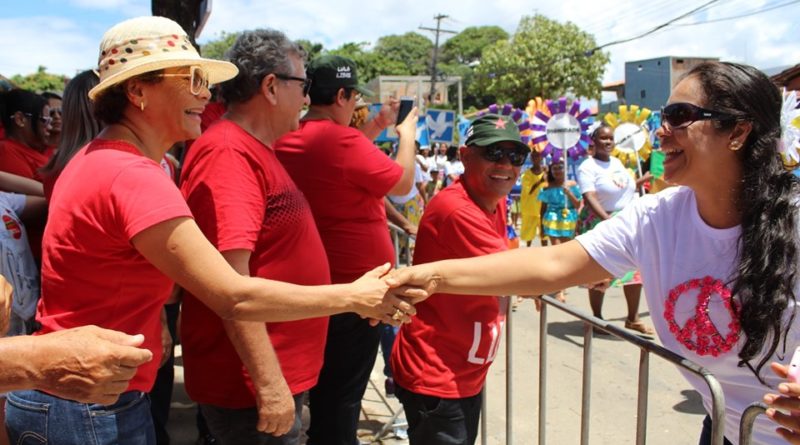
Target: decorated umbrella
<point>631,135</point>
<point>790,130</point>
<point>560,131</point>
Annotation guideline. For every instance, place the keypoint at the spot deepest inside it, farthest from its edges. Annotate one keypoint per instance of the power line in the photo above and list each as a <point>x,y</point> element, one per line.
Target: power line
<point>747,14</point>
<point>437,30</point>
<point>659,27</point>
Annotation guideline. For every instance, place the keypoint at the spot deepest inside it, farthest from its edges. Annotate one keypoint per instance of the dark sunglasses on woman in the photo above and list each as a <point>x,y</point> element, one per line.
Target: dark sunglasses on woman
<point>683,114</point>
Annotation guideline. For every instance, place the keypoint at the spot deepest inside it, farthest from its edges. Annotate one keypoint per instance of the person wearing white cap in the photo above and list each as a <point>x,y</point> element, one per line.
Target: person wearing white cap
<point>120,232</point>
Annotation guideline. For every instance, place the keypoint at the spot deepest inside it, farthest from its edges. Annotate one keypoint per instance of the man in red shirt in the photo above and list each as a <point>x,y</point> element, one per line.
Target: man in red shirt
<point>248,382</point>
<point>441,358</point>
<point>345,178</point>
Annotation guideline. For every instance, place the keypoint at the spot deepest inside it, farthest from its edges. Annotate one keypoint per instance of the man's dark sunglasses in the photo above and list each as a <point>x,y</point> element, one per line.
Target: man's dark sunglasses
<point>682,114</point>
<point>496,152</point>
<point>306,81</point>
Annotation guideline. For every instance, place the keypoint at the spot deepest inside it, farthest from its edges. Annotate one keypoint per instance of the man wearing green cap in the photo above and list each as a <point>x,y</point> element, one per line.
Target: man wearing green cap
<point>441,358</point>
<point>345,178</point>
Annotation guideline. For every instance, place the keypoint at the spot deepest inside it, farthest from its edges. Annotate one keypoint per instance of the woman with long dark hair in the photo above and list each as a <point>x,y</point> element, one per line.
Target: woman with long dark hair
<point>717,254</point>
<point>79,126</point>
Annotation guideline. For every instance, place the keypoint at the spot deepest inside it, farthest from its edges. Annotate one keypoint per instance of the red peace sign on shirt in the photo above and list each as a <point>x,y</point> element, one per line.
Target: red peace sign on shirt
<point>699,333</point>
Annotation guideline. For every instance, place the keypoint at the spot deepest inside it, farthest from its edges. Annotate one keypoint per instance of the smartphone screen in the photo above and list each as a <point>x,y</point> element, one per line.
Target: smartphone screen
<point>406,104</point>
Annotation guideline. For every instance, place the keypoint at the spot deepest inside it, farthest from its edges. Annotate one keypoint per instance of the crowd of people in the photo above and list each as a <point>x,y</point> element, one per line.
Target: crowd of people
<point>270,239</point>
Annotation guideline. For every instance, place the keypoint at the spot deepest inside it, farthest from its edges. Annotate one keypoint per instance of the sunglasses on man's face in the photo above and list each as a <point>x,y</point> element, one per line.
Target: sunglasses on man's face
<point>496,152</point>
<point>683,114</point>
<point>306,81</point>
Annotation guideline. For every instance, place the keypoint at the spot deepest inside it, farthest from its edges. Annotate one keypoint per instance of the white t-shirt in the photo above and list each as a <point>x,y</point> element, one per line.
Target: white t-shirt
<point>16,260</point>
<point>663,236</point>
<point>452,168</point>
<point>439,162</point>
<point>426,168</point>
<point>418,177</point>
<point>611,181</point>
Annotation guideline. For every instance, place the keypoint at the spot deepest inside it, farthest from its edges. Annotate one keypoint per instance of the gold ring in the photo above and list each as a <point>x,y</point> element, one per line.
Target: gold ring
<point>398,315</point>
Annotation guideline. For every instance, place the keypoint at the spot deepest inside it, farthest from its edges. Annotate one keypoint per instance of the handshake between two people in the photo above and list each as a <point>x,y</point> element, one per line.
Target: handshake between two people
<point>388,295</point>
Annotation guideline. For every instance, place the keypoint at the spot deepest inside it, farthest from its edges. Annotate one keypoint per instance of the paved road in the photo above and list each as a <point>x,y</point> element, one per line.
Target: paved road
<point>675,411</point>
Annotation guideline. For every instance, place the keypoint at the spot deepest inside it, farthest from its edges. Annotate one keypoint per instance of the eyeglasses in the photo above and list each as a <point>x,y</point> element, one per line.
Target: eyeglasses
<point>306,81</point>
<point>54,111</point>
<point>495,153</point>
<point>682,114</point>
<point>47,120</point>
<point>199,79</point>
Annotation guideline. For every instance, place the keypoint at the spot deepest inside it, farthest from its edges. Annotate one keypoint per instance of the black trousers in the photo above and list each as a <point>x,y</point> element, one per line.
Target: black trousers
<point>705,435</point>
<point>335,403</point>
<point>438,421</point>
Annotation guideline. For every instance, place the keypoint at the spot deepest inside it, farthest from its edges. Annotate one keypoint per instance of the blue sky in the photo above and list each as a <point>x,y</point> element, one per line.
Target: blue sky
<point>63,35</point>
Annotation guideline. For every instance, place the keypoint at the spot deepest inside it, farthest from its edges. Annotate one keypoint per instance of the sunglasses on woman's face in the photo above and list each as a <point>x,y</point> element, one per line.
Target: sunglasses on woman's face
<point>496,152</point>
<point>198,79</point>
<point>683,114</point>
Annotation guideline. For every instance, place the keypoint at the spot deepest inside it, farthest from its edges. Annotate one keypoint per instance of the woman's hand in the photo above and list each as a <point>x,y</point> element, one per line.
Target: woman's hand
<point>784,408</point>
<point>374,298</point>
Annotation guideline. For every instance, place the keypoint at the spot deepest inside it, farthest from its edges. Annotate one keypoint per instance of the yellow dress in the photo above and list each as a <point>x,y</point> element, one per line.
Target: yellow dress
<point>530,206</point>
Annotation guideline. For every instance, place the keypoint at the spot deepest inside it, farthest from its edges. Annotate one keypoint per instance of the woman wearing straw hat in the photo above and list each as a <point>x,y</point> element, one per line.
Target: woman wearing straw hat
<point>120,233</point>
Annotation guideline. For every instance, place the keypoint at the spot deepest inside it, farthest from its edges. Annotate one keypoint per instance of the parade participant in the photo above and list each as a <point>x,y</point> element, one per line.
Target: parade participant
<point>533,180</point>
<point>345,179</point>
<point>441,358</point>
<point>54,102</point>
<point>26,118</point>
<point>607,188</point>
<point>717,295</point>
<point>79,126</point>
<point>247,205</point>
<point>120,233</point>
<point>560,201</point>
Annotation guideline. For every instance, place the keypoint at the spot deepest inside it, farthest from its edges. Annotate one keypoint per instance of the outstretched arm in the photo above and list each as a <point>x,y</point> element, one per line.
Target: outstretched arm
<point>531,271</point>
<point>178,248</point>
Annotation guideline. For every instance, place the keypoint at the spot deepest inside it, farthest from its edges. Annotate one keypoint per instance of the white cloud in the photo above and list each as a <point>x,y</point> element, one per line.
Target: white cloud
<point>68,44</point>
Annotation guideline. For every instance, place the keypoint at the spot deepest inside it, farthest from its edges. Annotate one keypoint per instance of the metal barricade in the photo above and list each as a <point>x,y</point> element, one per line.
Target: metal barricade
<point>397,235</point>
<point>746,425</point>
<point>646,347</point>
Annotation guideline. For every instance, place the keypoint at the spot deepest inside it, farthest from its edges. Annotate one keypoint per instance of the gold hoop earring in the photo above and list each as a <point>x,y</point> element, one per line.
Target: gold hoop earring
<point>141,105</point>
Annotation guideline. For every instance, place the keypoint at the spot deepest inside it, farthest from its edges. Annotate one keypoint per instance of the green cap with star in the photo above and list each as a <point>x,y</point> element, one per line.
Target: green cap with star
<point>331,71</point>
<point>492,128</point>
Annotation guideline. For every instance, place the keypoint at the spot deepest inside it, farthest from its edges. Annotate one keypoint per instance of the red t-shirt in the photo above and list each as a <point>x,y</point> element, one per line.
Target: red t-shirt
<point>22,160</point>
<point>242,198</point>
<point>91,273</point>
<point>344,177</point>
<point>447,348</point>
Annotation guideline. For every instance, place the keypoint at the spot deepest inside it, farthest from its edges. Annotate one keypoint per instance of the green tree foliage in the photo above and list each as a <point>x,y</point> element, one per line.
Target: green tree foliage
<point>215,49</point>
<point>408,54</point>
<point>41,81</point>
<point>461,54</point>
<point>465,48</point>
<point>543,58</point>
<point>313,49</point>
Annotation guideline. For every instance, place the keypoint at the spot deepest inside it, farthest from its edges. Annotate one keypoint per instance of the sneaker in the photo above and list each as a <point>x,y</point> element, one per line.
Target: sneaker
<point>388,385</point>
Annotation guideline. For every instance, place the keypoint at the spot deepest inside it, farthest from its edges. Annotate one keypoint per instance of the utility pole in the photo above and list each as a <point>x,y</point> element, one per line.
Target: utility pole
<point>437,30</point>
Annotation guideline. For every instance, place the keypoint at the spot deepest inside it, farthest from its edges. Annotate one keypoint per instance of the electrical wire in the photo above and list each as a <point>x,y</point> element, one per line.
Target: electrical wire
<point>747,14</point>
<point>657,28</point>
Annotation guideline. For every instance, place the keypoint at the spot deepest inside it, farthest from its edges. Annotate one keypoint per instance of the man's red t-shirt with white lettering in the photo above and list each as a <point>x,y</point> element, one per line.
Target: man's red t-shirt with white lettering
<point>242,198</point>
<point>447,348</point>
<point>345,178</point>
<point>91,273</point>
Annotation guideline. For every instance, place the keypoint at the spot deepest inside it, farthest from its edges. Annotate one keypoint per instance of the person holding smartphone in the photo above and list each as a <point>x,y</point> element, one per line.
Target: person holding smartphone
<point>345,179</point>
